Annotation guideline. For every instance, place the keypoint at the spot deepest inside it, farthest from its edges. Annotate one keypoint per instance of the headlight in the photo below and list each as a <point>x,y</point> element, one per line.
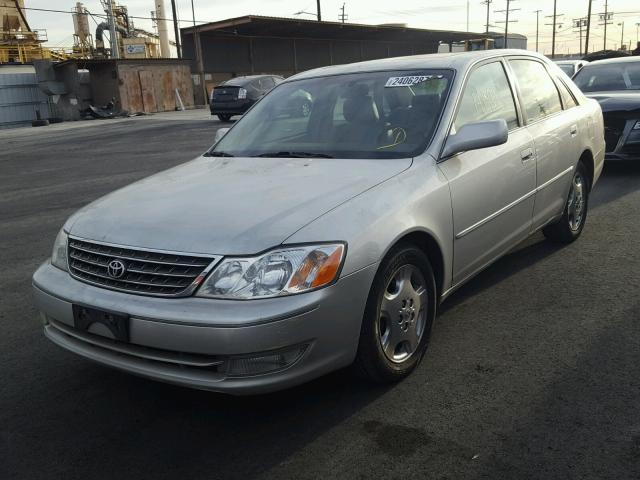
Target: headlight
<point>637,125</point>
<point>242,94</point>
<point>59,254</point>
<point>284,271</point>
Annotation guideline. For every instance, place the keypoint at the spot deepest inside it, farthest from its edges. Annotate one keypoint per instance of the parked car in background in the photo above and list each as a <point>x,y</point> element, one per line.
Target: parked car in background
<point>237,95</point>
<point>301,244</point>
<point>570,67</point>
<point>615,83</point>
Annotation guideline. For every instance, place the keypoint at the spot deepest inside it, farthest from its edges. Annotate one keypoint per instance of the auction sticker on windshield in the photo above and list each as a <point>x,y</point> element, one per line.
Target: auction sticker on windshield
<point>409,80</point>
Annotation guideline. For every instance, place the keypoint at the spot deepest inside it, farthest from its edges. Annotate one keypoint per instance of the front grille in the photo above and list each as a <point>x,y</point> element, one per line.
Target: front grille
<point>146,272</point>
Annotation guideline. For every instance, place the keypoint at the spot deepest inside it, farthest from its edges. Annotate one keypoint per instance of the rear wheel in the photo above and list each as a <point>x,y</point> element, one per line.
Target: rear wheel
<point>398,317</point>
<point>224,117</point>
<point>569,227</point>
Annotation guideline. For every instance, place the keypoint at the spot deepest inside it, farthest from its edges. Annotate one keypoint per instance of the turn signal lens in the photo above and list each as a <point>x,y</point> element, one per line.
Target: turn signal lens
<point>283,271</point>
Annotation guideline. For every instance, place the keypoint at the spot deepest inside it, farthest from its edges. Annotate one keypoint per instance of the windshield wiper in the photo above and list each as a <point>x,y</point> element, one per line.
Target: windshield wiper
<point>218,154</point>
<point>294,155</point>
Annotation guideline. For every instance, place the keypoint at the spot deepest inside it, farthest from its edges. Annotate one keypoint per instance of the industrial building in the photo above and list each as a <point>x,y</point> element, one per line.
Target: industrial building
<point>254,44</point>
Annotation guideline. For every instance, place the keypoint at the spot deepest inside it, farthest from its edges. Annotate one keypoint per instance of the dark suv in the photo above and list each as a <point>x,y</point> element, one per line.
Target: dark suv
<point>235,96</point>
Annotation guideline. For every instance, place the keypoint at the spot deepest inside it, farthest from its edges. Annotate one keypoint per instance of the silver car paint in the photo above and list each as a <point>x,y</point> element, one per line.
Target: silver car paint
<point>368,204</point>
<point>235,206</point>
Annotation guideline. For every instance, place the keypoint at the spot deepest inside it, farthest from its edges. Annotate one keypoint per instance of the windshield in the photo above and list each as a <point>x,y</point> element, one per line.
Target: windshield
<point>608,77</point>
<point>364,115</point>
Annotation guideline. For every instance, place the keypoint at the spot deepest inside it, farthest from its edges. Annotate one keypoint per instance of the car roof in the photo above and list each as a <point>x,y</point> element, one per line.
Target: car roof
<point>239,81</point>
<point>629,59</point>
<point>457,61</point>
<point>569,62</point>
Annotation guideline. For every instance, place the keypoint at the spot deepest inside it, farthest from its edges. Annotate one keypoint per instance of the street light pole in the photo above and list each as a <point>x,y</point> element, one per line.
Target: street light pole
<point>621,35</point>
<point>193,14</point>
<point>319,13</point>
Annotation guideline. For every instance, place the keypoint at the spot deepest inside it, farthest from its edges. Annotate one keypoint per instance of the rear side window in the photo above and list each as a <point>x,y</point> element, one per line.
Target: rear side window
<point>539,94</point>
<point>487,96</point>
<point>567,98</point>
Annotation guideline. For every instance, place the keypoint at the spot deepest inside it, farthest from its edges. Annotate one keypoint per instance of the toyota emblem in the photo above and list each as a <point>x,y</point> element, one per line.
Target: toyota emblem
<point>116,268</point>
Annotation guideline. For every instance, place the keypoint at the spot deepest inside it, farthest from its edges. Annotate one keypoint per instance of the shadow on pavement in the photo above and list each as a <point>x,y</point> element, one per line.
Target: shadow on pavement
<point>618,179</point>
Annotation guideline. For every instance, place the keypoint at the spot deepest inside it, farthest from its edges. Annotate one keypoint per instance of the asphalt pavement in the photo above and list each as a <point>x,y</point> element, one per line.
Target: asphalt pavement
<point>533,369</point>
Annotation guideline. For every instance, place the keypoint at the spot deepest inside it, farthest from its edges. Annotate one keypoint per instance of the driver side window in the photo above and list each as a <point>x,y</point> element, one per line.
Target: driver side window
<point>487,96</point>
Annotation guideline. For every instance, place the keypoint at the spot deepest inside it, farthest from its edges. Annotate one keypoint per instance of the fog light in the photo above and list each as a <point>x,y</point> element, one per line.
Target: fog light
<point>265,362</point>
<point>637,125</point>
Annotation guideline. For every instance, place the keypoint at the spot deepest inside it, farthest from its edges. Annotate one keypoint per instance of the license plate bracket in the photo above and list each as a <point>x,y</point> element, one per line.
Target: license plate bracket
<point>117,323</point>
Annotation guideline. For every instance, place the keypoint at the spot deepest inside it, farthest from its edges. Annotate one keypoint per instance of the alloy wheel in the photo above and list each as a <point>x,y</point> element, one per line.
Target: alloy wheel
<point>403,313</point>
<point>575,205</point>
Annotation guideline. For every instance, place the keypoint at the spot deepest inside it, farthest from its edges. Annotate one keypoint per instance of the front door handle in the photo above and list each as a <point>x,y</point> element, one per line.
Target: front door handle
<point>526,154</point>
<point>574,130</point>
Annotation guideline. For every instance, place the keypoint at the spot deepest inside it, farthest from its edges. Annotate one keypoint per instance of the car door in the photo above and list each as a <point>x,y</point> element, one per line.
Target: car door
<point>492,189</point>
<point>555,136</point>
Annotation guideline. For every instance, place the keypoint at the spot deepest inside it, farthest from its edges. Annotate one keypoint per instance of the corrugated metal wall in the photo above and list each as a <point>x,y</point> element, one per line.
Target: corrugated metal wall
<point>20,97</point>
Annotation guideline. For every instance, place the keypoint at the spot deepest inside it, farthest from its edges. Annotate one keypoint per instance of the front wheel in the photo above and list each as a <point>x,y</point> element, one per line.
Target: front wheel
<point>569,227</point>
<point>224,117</point>
<point>398,316</point>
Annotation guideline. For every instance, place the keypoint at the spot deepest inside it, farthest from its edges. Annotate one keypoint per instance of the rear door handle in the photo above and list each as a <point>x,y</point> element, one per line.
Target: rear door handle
<point>574,130</point>
<point>526,154</point>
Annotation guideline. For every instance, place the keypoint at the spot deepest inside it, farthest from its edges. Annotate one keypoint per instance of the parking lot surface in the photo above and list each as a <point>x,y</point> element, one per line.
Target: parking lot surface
<point>533,369</point>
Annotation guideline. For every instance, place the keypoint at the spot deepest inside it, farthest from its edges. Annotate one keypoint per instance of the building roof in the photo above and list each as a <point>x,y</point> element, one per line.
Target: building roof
<point>253,25</point>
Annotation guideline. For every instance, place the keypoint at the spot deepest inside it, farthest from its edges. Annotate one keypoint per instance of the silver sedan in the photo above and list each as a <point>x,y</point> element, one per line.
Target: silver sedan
<point>301,244</point>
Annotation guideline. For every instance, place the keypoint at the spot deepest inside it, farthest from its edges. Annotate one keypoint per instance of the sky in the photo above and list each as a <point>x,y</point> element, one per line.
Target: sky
<point>416,13</point>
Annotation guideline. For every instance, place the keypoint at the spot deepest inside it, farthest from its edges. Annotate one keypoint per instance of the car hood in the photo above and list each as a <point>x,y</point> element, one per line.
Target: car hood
<point>228,206</point>
<point>624,101</point>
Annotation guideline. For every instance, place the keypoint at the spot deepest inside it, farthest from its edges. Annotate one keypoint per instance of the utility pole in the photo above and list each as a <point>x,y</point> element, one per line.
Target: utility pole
<point>343,16</point>
<point>319,13</point>
<point>176,30</point>
<point>586,40</point>
<point>193,14</point>
<point>606,17</point>
<point>621,35</point>
<point>115,50</point>
<point>537,12</point>
<point>555,25</point>
<point>506,21</point>
<point>579,23</point>
<point>553,40</point>
<point>488,4</point>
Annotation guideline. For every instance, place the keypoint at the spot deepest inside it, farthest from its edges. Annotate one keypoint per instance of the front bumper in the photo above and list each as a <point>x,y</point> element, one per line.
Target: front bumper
<point>188,341</point>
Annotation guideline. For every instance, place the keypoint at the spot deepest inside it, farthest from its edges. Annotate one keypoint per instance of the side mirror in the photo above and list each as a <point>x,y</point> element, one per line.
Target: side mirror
<point>221,132</point>
<point>474,136</point>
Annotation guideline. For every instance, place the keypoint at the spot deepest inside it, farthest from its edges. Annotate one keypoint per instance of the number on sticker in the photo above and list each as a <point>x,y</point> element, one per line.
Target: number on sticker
<point>409,80</point>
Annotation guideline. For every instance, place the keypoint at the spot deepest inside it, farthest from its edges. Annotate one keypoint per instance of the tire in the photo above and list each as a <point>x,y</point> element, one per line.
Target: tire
<point>224,117</point>
<point>569,227</point>
<point>396,315</point>
<point>40,123</point>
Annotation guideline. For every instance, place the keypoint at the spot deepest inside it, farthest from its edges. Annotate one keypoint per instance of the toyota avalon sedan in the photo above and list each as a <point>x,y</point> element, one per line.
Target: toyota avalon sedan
<point>301,244</point>
<point>615,83</point>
